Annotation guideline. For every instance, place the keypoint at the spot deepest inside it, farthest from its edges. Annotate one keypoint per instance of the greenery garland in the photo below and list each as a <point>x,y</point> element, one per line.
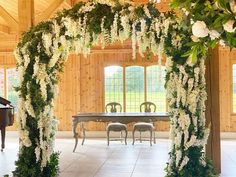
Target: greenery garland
<point>43,50</point>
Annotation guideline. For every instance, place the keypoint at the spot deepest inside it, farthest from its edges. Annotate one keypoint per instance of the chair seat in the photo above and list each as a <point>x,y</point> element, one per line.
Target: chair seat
<point>116,126</point>
<point>143,126</point>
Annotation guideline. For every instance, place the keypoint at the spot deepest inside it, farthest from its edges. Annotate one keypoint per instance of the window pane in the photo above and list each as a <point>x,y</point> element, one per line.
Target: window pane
<point>134,88</point>
<point>234,87</point>
<point>12,82</point>
<point>155,87</point>
<point>114,84</point>
<point>1,82</point>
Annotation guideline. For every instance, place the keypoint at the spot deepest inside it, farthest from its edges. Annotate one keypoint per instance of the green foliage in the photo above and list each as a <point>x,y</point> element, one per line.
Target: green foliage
<point>26,166</point>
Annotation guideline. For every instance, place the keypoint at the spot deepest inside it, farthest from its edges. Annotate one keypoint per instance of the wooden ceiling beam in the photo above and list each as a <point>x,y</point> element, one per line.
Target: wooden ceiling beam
<point>48,12</point>
<point>26,15</point>
<point>69,3</point>
<point>4,29</point>
<point>11,21</point>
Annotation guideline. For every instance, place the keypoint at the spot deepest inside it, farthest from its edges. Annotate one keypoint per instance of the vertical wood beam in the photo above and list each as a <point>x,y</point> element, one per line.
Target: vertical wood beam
<point>145,83</point>
<point>213,149</point>
<point>26,15</point>
<point>124,88</point>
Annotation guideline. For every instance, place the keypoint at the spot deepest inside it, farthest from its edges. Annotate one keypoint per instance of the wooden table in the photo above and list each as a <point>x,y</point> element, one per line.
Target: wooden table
<point>114,117</point>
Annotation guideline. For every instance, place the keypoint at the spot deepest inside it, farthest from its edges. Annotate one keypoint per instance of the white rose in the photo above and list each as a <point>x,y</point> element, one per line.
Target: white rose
<point>214,34</point>
<point>200,29</point>
<point>232,5</point>
<point>229,26</point>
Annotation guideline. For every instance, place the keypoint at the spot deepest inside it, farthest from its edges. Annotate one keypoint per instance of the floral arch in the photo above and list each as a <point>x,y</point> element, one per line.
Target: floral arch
<point>43,50</point>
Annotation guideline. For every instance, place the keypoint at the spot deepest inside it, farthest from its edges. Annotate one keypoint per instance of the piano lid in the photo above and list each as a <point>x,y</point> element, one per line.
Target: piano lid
<point>4,101</point>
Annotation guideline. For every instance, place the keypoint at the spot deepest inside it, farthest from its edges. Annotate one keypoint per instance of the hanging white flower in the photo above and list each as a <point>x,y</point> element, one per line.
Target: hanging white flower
<point>146,11</point>
<point>229,26</point>
<point>114,28</point>
<point>183,163</point>
<point>134,40</point>
<point>200,29</point>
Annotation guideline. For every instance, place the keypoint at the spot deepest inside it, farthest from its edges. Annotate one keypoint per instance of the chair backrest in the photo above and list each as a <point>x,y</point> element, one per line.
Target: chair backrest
<point>147,107</point>
<point>113,107</point>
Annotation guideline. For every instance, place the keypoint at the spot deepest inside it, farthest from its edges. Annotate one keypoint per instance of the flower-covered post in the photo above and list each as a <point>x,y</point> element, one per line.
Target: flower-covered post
<point>186,95</point>
<point>185,40</point>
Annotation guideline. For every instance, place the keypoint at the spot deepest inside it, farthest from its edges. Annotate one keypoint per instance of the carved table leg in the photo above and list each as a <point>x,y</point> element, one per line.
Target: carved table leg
<point>75,123</point>
<point>83,131</point>
<point>150,137</point>
<point>154,136</point>
<point>126,133</point>
<point>3,131</point>
<point>133,136</point>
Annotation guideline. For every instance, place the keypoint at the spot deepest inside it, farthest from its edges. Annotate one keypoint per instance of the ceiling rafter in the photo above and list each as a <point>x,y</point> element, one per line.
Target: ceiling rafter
<point>11,21</point>
<point>49,11</point>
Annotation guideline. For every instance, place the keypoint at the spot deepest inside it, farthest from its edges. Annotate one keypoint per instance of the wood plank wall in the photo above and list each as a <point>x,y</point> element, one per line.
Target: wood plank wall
<point>228,119</point>
<point>81,85</point>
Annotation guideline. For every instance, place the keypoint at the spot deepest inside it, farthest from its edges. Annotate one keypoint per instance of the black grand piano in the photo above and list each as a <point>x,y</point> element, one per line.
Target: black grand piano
<point>6,118</point>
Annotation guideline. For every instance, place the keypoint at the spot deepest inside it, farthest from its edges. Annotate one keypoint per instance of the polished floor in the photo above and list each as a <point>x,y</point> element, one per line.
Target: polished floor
<point>95,159</point>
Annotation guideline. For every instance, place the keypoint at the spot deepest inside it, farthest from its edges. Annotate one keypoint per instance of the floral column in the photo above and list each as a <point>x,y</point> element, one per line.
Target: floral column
<point>186,93</point>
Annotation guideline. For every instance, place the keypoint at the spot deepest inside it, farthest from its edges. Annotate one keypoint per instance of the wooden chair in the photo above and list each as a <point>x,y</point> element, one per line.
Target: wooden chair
<point>114,107</point>
<point>144,126</point>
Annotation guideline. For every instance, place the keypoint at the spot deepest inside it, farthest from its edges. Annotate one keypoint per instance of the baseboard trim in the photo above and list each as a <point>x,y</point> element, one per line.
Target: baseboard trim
<point>102,134</point>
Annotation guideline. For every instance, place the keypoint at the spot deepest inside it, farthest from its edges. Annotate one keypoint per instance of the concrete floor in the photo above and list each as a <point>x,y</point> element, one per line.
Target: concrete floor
<point>95,159</point>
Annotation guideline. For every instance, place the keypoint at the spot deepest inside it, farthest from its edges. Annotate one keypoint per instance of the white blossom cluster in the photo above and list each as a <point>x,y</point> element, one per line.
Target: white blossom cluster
<point>186,93</point>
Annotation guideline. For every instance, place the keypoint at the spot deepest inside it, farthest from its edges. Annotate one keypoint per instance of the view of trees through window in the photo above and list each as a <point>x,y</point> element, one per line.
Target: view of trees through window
<point>133,85</point>
<point>114,84</point>
<point>12,82</point>
<point>8,82</point>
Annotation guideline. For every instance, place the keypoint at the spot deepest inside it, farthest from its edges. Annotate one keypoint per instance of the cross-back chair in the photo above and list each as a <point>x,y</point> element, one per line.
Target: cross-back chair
<point>115,107</point>
<point>147,107</point>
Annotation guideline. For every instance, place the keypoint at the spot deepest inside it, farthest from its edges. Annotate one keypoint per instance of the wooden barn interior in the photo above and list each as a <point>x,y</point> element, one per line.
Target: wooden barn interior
<point>82,89</point>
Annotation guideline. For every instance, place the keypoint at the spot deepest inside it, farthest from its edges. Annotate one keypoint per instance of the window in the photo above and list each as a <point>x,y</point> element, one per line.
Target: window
<point>114,84</point>
<point>8,82</point>
<point>130,86</point>
<point>134,79</point>
<point>155,87</point>
<point>234,87</point>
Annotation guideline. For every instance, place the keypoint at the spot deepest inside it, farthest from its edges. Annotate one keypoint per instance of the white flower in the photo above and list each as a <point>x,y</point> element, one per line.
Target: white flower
<point>214,34</point>
<point>232,5</point>
<point>200,29</point>
<point>183,163</point>
<point>229,26</point>
<point>195,38</point>
<point>185,11</point>
<point>222,42</point>
<point>146,11</point>
<point>190,61</point>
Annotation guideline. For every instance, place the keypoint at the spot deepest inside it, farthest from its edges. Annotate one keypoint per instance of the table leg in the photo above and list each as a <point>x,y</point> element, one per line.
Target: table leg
<point>3,131</point>
<point>126,133</point>
<point>83,131</point>
<point>150,137</point>
<point>75,123</point>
